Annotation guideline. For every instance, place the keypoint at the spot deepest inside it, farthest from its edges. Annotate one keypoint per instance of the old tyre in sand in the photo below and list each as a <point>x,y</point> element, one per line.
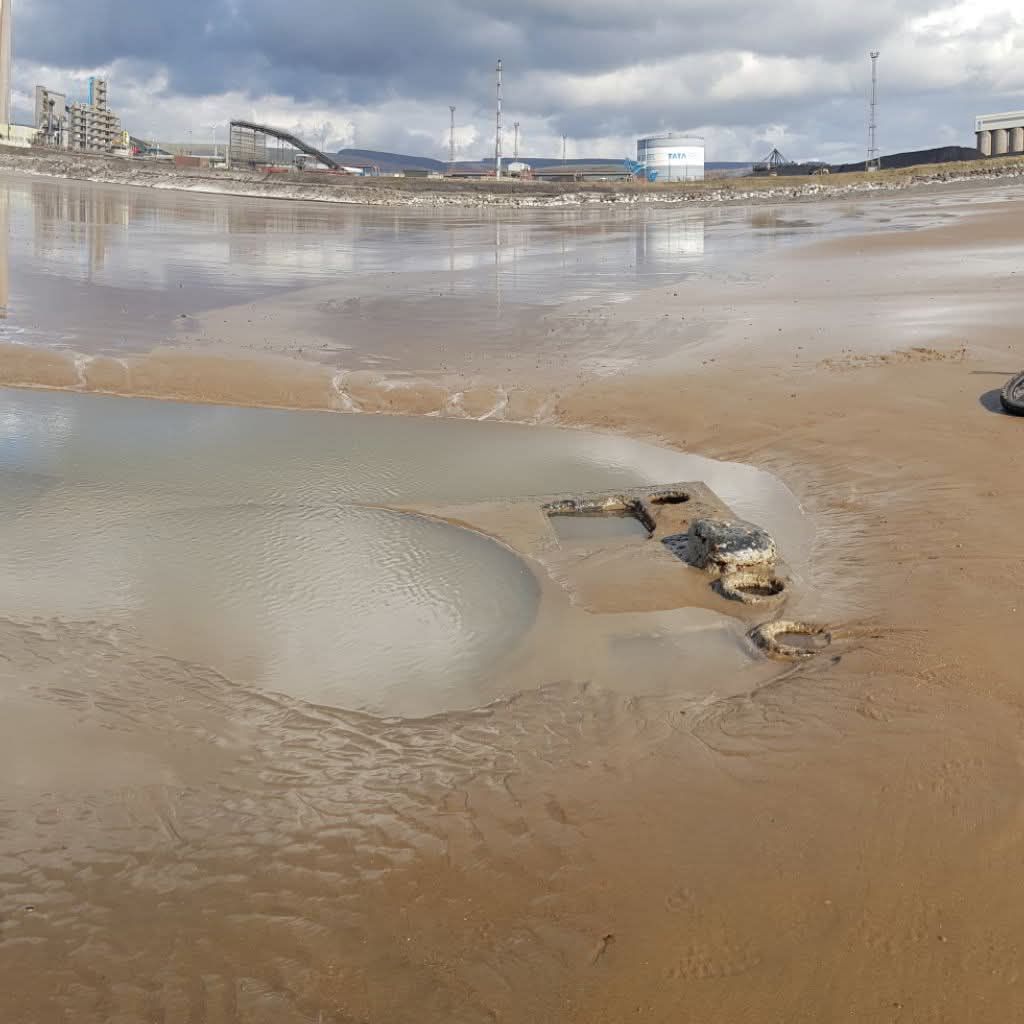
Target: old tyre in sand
<point>751,587</point>
<point>785,639</point>
<point>1011,398</point>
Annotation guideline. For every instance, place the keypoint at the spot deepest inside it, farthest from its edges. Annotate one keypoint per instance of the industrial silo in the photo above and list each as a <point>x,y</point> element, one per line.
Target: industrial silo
<point>674,157</point>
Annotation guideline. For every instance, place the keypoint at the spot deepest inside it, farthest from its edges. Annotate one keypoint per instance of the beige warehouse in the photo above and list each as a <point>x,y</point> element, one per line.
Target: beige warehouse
<point>1000,134</point>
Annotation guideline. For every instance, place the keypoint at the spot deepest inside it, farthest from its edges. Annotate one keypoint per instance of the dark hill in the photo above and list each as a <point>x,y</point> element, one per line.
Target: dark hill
<point>941,155</point>
<point>388,161</point>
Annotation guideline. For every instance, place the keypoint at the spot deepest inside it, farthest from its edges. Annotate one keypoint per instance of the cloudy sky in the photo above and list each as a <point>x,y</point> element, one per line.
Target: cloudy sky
<point>746,74</point>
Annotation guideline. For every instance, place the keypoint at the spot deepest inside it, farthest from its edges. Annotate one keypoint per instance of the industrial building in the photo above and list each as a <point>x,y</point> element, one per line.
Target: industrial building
<point>671,156</point>
<point>94,126</point>
<point>1000,134</point>
<point>581,172</point>
<point>90,126</point>
<point>50,115</point>
<point>247,147</point>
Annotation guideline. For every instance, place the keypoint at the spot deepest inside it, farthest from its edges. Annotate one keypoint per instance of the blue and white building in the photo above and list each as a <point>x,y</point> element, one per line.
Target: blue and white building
<point>673,156</point>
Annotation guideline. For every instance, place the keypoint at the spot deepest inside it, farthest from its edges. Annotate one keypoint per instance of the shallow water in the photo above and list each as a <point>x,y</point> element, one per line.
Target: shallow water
<point>240,539</point>
<point>591,528</point>
<point>387,289</point>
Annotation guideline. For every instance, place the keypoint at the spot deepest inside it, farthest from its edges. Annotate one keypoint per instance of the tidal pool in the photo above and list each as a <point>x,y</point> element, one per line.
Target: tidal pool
<point>245,540</point>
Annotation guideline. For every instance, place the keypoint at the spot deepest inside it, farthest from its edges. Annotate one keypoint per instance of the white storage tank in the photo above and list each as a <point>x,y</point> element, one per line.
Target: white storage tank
<point>675,157</point>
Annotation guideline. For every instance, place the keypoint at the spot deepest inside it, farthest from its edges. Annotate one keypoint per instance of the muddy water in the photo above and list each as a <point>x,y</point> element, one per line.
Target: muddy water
<point>241,539</point>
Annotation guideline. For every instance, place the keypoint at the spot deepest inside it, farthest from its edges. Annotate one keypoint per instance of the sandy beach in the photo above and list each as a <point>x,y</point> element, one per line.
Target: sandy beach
<point>840,843</point>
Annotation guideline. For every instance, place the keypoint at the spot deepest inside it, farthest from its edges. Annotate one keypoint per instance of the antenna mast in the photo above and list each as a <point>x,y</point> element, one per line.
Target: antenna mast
<point>497,131</point>
<point>451,142</point>
<point>873,163</point>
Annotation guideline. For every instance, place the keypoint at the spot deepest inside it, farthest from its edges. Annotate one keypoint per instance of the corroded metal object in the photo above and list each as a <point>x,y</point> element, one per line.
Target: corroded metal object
<point>612,504</point>
<point>729,545</point>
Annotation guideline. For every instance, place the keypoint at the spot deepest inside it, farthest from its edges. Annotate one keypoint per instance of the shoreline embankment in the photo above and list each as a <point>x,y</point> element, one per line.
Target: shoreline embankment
<point>419,192</point>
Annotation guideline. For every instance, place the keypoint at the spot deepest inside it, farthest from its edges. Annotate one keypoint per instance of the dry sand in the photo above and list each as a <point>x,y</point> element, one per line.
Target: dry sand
<point>842,845</point>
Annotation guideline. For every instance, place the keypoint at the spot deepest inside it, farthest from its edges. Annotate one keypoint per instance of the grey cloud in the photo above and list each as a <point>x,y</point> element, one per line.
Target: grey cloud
<point>408,45</point>
<point>344,54</point>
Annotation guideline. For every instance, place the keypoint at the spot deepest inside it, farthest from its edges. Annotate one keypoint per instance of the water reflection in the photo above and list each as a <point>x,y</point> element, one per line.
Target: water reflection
<point>234,240</point>
<point>232,537</point>
<point>5,228</point>
<point>106,269</point>
<point>226,249</point>
<point>672,239</point>
<point>110,269</point>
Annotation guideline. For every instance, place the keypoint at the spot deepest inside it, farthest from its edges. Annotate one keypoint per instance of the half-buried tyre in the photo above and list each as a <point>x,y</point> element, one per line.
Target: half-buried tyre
<point>751,587</point>
<point>1011,398</point>
<point>785,639</point>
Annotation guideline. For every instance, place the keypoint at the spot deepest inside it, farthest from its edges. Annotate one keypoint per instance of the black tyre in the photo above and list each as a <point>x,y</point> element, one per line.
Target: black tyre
<point>1012,396</point>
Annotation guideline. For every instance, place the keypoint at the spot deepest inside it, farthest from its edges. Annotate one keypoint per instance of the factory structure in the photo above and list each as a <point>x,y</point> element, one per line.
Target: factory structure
<point>10,134</point>
<point>89,126</point>
<point>670,156</point>
<point>1000,134</point>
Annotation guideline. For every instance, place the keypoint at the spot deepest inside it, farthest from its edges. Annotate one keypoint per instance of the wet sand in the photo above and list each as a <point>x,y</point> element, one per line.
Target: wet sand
<point>840,844</point>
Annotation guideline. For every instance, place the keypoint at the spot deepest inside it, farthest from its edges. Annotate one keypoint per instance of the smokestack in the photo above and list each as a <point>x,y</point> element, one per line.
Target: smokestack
<point>497,133</point>
<point>5,62</point>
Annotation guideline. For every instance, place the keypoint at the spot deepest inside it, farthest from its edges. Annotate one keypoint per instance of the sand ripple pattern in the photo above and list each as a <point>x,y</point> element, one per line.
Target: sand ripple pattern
<point>176,846</point>
<point>235,835</point>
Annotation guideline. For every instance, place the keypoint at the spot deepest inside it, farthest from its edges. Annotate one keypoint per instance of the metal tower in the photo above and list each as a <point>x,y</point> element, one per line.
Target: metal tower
<point>497,131</point>
<point>873,163</point>
<point>515,144</point>
<point>451,142</point>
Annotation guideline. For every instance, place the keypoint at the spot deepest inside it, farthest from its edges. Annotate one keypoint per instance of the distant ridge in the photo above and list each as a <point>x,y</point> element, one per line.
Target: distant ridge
<point>390,162</point>
<point>940,155</point>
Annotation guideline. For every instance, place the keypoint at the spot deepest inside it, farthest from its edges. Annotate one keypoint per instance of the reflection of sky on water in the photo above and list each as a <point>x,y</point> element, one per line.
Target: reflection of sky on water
<point>109,266</point>
<point>233,538</point>
<point>123,264</point>
<point>4,261</point>
<point>119,237</point>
